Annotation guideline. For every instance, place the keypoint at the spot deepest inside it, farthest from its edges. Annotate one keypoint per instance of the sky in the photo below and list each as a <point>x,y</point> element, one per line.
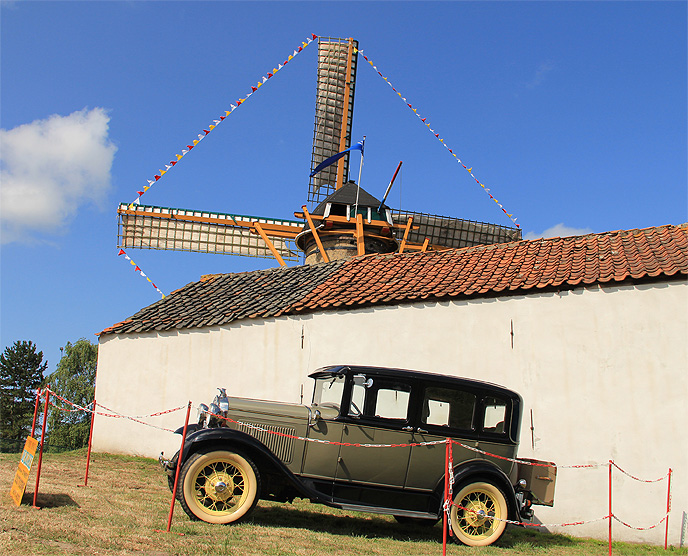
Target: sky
<point>572,114</point>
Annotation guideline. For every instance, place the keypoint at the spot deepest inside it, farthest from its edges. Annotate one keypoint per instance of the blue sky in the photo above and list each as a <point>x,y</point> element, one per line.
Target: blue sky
<point>572,114</point>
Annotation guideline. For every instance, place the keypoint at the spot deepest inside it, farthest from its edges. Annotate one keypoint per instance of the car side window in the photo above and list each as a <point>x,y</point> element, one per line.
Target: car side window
<point>383,399</point>
<point>446,407</point>
<point>495,415</point>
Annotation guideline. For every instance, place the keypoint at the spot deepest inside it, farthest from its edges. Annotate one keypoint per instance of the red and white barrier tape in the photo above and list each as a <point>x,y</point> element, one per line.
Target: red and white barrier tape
<point>637,478</point>
<point>642,528</point>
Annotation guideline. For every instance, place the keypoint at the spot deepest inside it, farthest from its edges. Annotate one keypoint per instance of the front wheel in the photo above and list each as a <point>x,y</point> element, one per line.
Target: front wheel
<point>471,513</point>
<point>219,486</point>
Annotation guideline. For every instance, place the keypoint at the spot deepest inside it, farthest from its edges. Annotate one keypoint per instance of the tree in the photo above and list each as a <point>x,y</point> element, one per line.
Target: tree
<point>74,380</point>
<point>21,374</point>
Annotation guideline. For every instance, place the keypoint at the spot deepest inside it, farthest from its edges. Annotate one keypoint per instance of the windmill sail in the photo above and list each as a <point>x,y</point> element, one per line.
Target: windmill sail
<point>149,227</point>
<point>334,108</point>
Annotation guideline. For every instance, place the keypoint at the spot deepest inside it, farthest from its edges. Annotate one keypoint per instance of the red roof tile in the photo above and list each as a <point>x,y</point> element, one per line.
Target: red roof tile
<point>520,266</point>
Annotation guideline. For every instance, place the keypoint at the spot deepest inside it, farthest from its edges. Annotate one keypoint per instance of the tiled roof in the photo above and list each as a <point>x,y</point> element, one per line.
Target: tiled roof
<point>520,266</point>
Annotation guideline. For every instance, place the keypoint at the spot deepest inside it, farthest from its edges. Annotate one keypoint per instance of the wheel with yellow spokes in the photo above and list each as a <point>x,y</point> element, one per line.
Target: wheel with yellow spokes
<point>476,514</point>
<point>219,486</point>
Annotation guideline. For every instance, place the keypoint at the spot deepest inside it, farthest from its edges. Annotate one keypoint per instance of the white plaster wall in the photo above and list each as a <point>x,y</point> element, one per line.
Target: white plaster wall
<point>604,371</point>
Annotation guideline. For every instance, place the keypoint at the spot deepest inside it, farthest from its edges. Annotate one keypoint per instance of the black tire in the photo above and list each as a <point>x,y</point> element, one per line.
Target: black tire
<point>474,505</point>
<point>219,486</point>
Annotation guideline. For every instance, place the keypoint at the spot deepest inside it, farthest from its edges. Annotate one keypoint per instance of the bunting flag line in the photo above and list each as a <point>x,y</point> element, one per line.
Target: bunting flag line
<point>138,270</point>
<point>233,106</point>
<point>437,135</point>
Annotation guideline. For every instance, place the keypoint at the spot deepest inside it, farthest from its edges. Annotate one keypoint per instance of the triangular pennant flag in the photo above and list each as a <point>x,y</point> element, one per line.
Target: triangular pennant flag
<point>148,279</point>
<point>150,182</point>
<point>157,178</point>
<point>294,54</point>
<point>216,122</point>
<point>137,269</point>
<point>265,79</point>
<point>142,274</point>
<point>173,162</point>
<point>121,252</point>
<point>206,131</point>
<point>201,136</point>
<point>195,142</point>
<point>127,257</point>
<point>132,262</point>
<point>470,169</point>
<point>253,89</point>
<point>140,193</point>
<point>146,188</point>
<point>270,75</point>
<point>167,167</point>
<point>300,48</point>
<point>223,117</point>
<point>190,146</point>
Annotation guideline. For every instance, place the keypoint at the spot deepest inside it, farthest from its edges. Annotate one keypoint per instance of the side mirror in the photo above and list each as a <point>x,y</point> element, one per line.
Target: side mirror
<point>313,417</point>
<point>360,380</point>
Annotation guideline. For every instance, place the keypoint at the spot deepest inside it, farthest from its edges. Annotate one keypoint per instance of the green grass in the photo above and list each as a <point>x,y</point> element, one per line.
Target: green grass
<point>124,510</point>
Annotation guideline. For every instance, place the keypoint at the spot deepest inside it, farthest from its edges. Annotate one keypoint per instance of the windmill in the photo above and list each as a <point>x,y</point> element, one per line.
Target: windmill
<point>344,220</point>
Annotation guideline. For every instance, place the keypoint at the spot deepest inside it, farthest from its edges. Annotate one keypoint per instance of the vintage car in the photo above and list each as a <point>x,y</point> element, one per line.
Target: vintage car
<point>372,440</point>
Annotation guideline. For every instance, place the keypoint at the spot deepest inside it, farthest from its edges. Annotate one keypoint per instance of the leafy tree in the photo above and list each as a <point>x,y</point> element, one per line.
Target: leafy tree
<point>74,380</point>
<point>21,374</point>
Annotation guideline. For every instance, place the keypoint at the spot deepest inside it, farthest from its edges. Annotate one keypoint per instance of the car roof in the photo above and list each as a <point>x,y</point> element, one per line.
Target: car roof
<point>421,376</point>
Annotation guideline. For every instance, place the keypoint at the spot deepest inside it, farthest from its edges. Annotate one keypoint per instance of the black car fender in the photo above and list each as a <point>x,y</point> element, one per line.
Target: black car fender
<point>481,470</point>
<point>223,438</point>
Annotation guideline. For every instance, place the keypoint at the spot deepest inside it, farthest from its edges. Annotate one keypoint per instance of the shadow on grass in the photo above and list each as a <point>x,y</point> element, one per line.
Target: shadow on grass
<point>49,500</point>
<point>373,526</point>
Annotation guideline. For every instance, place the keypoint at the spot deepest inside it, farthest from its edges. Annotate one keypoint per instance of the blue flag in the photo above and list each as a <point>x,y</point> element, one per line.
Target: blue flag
<point>334,158</point>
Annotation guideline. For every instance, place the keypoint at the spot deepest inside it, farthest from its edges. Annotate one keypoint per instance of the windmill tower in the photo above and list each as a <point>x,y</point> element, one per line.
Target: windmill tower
<point>346,220</point>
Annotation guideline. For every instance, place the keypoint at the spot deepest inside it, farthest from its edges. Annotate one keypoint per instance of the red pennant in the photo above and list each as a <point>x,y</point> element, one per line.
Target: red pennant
<point>173,162</point>
<point>238,102</point>
<point>140,193</point>
<point>137,269</point>
<point>314,36</point>
<point>206,131</point>
<point>300,48</point>
<point>121,252</point>
<point>157,178</point>
<point>451,151</point>
<point>269,75</point>
<point>189,147</point>
<point>253,89</point>
<point>156,287</point>
<point>423,119</point>
<point>491,197</point>
<point>409,106</point>
<point>222,117</point>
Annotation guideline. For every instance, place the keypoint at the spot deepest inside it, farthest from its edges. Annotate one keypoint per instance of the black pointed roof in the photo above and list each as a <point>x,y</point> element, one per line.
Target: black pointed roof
<point>346,195</point>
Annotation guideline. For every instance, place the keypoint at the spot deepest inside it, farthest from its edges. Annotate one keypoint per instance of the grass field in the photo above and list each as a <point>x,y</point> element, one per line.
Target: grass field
<point>127,501</point>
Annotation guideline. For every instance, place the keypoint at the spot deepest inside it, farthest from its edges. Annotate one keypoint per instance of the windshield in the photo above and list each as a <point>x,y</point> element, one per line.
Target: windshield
<point>328,391</point>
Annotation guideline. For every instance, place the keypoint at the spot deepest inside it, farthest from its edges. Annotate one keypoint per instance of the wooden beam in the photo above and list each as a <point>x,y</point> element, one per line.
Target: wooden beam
<point>275,230</point>
<point>345,116</point>
<point>425,245</point>
<point>266,239</point>
<point>360,239</point>
<point>406,233</point>
<point>315,235</point>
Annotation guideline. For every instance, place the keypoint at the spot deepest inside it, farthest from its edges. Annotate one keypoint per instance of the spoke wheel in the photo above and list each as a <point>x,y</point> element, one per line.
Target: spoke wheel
<point>219,487</point>
<point>473,507</point>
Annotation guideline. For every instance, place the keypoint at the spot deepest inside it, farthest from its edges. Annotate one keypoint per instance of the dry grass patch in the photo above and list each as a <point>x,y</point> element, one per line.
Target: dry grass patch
<point>127,500</point>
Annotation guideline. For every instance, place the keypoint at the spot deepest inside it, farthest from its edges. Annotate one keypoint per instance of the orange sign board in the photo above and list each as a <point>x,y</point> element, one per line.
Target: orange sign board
<point>21,477</point>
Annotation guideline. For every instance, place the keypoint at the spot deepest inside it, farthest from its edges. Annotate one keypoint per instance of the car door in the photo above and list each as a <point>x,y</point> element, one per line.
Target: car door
<point>378,414</point>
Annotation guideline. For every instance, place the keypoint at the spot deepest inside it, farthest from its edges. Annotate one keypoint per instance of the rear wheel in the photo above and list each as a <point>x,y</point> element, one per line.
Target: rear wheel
<point>219,486</point>
<point>476,514</point>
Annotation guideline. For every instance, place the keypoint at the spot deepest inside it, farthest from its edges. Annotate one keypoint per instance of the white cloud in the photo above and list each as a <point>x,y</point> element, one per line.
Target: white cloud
<point>49,169</point>
<point>559,230</point>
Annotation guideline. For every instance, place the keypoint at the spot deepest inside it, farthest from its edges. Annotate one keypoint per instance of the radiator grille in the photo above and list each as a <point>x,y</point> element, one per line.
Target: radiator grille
<point>281,446</point>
